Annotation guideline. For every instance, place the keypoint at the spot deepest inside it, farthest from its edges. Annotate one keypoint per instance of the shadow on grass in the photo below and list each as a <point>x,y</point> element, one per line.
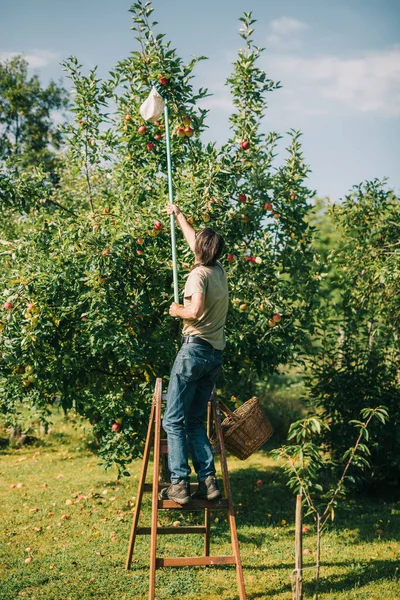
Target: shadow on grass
<point>373,571</point>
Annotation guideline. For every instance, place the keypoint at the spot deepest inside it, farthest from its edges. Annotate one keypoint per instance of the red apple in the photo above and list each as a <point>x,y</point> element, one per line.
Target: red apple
<point>116,427</point>
<point>150,146</point>
<point>242,198</point>
<point>259,482</point>
<point>127,117</point>
<point>180,132</point>
<point>293,196</point>
<point>245,145</point>
<point>106,251</point>
<point>125,127</point>
<point>140,241</point>
<point>163,80</point>
<point>142,129</point>
<point>189,131</point>
<point>158,136</point>
<point>268,206</point>
<point>231,258</point>
<point>305,529</point>
<point>106,211</point>
<point>8,305</point>
<point>245,218</point>
<point>271,323</point>
<point>139,252</point>
<point>158,226</point>
<point>276,317</point>
<point>276,215</point>
<point>30,306</point>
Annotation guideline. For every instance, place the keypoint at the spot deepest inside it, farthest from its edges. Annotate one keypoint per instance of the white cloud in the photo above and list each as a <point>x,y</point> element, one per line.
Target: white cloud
<point>286,26</point>
<point>283,32</point>
<point>369,83</point>
<point>35,58</point>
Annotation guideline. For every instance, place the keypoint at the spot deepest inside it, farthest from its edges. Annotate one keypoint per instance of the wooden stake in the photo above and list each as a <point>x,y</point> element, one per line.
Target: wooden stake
<point>298,588</point>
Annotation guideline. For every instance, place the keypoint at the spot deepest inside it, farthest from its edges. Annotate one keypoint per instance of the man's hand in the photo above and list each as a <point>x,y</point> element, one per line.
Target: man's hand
<point>193,311</point>
<point>173,309</point>
<point>173,208</point>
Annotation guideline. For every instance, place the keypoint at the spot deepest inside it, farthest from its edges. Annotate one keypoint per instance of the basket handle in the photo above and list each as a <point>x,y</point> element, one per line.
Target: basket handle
<point>227,411</point>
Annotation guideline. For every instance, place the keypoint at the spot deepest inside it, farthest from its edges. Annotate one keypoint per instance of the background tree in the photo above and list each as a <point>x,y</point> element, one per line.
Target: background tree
<point>355,363</point>
<point>28,130</point>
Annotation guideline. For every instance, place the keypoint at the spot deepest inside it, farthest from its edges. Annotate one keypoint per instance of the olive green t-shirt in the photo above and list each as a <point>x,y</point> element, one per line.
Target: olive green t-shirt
<point>210,281</point>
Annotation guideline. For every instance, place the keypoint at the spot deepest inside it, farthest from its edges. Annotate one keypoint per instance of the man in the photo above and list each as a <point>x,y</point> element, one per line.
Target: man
<point>197,365</point>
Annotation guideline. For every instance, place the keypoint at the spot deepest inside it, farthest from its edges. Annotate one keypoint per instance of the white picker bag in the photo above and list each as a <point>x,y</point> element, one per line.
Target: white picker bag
<point>153,107</point>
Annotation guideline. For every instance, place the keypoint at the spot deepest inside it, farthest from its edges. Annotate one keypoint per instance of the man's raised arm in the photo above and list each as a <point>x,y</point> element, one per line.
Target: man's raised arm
<point>188,231</point>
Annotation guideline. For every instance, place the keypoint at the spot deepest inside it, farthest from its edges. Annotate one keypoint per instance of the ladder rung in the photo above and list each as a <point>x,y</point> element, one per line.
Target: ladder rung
<point>148,487</point>
<point>195,504</point>
<point>172,530</point>
<point>184,561</point>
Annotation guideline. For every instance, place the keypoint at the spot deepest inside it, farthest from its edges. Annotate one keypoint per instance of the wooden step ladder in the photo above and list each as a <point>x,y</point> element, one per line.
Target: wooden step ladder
<point>159,446</point>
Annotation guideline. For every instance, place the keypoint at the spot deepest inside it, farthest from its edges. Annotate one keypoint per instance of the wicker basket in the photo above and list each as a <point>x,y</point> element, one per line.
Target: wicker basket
<point>244,430</point>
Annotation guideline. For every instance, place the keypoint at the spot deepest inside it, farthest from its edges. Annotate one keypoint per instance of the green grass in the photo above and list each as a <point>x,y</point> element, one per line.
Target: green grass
<point>77,529</point>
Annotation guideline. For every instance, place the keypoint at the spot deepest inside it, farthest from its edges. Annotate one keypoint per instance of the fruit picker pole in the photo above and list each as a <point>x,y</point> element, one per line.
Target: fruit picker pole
<point>151,110</point>
<point>171,199</point>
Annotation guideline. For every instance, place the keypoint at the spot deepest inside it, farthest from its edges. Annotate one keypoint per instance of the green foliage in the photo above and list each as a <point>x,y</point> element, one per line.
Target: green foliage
<point>309,467</point>
<point>27,128</point>
<point>90,281</point>
<point>355,361</point>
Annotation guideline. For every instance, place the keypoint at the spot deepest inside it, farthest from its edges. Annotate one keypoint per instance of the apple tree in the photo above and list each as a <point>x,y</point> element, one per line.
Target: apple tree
<point>89,280</point>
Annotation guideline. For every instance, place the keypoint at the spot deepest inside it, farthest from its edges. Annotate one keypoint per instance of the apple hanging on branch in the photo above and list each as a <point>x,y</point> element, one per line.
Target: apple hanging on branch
<point>164,80</point>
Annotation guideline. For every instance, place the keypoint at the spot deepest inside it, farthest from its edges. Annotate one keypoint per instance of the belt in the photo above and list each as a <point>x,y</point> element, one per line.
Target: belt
<point>191,339</point>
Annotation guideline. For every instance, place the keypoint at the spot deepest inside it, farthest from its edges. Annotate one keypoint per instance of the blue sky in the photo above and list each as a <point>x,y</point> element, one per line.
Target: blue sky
<point>339,63</point>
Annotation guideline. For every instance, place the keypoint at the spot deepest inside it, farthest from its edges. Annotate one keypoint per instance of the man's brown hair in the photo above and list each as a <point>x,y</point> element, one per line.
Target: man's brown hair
<point>208,247</point>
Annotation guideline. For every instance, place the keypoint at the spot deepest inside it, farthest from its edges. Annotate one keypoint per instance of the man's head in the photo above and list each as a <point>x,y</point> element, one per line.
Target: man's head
<point>208,247</point>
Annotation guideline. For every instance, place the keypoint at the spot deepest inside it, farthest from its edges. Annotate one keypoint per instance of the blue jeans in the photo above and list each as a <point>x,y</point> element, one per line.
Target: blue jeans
<point>194,373</point>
